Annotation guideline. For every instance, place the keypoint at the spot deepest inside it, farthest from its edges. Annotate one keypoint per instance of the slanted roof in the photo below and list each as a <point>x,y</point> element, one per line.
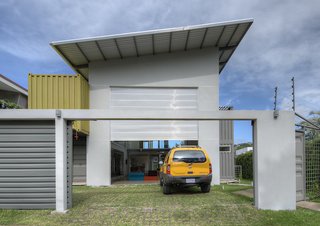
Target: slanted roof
<point>225,108</point>
<point>9,85</point>
<point>225,35</point>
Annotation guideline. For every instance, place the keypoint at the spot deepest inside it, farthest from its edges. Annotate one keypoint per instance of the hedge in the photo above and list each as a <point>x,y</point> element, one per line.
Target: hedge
<point>245,160</point>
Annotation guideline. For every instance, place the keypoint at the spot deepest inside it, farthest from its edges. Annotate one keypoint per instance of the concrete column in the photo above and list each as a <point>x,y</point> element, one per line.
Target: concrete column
<point>275,162</point>
<point>61,165</point>
<point>209,140</point>
<point>99,154</point>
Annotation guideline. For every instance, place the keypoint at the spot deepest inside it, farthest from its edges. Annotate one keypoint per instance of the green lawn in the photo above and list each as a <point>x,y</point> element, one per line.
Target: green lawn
<point>246,181</point>
<point>146,205</point>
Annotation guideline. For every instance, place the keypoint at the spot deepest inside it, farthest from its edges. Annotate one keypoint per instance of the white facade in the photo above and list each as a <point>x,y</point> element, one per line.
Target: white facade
<point>189,57</point>
<point>189,66</point>
<point>194,73</point>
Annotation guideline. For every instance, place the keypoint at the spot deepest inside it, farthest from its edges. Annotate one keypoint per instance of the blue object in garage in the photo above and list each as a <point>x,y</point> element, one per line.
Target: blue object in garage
<point>136,176</point>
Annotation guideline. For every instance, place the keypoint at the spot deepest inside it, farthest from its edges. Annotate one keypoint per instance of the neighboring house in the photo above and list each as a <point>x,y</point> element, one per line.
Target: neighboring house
<point>13,92</point>
<point>243,150</point>
<point>168,70</point>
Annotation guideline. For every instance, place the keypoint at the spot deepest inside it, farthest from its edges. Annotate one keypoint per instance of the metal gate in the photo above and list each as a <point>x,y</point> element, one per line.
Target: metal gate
<point>312,156</point>
<point>308,163</point>
<point>300,167</point>
<point>27,164</point>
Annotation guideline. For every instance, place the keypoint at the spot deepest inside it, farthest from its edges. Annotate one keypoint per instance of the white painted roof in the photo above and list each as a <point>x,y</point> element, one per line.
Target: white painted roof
<point>225,35</point>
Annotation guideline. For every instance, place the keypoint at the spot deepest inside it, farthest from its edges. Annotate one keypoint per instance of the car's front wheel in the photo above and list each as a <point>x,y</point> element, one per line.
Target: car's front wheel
<point>205,188</point>
<point>166,189</point>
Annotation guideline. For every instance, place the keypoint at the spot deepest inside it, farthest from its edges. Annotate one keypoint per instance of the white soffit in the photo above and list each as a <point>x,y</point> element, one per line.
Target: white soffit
<point>9,85</point>
<point>225,35</point>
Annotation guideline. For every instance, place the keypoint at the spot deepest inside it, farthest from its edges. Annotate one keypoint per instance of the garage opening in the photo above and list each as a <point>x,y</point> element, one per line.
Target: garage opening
<point>137,147</point>
<point>138,161</point>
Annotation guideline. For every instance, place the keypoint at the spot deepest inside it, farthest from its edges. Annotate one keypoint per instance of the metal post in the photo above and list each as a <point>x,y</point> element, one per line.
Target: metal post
<point>293,96</point>
<point>275,111</point>
<point>275,98</point>
<point>308,121</point>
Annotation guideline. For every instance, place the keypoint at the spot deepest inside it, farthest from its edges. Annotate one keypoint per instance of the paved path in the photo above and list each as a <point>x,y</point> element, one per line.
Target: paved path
<point>303,204</point>
<point>247,193</point>
<point>309,205</point>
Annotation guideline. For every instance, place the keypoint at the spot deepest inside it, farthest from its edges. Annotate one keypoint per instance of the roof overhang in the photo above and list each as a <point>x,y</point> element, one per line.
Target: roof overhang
<point>9,85</point>
<point>78,53</point>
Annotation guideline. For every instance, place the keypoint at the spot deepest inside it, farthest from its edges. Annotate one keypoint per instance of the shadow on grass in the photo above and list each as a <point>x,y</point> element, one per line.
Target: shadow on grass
<point>186,190</point>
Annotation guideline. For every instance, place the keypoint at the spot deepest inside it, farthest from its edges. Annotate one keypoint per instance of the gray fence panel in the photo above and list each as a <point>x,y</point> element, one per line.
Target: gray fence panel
<point>27,164</point>
<point>226,132</point>
<point>227,165</point>
<point>79,160</point>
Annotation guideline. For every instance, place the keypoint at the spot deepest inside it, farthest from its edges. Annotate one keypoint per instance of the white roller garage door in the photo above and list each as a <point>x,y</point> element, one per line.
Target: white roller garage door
<point>154,99</point>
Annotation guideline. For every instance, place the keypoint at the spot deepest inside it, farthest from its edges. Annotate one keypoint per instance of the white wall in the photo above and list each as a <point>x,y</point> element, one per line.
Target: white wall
<point>275,161</point>
<point>209,140</point>
<point>195,68</point>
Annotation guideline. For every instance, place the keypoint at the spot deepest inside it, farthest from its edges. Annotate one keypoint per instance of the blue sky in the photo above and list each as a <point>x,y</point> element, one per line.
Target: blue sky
<point>283,42</point>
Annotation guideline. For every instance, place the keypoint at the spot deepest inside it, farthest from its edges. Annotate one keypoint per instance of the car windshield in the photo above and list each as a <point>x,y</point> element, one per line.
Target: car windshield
<point>189,156</point>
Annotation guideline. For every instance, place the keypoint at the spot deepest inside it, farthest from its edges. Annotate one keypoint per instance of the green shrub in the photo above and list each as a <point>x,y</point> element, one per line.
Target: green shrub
<point>245,160</point>
<point>5,104</point>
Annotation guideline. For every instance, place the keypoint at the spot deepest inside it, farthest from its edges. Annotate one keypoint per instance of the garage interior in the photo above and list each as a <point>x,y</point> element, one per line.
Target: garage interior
<point>136,161</point>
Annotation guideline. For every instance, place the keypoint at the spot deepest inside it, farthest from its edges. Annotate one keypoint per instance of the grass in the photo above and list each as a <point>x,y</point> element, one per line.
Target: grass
<point>315,199</point>
<point>146,205</point>
<point>246,181</point>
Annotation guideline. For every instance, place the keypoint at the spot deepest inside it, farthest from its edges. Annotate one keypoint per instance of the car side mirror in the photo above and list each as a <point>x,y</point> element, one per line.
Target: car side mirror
<point>160,162</point>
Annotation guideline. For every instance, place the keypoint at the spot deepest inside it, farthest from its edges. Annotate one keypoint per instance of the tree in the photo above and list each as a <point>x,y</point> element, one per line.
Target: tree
<point>242,145</point>
<point>5,104</point>
<point>314,117</point>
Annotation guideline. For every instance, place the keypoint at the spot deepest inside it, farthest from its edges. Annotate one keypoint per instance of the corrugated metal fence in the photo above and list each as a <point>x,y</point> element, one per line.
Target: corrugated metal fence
<point>27,164</point>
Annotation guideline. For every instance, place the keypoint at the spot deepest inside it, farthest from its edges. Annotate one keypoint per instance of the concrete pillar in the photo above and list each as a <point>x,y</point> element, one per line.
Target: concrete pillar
<point>209,140</point>
<point>99,154</point>
<point>275,161</point>
<point>61,165</point>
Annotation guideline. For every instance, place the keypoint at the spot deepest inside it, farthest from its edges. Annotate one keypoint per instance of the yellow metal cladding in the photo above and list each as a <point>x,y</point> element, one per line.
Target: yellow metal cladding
<point>59,92</point>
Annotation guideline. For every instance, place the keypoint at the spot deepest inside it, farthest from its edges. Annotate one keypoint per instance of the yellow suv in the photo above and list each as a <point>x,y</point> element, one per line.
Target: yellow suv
<point>186,166</point>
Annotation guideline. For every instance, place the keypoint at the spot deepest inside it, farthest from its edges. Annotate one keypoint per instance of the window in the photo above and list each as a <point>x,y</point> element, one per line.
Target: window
<point>189,156</point>
<point>225,148</point>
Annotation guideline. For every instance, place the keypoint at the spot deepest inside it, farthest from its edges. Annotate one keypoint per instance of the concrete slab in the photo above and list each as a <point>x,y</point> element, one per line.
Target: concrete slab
<point>309,205</point>
<point>247,193</point>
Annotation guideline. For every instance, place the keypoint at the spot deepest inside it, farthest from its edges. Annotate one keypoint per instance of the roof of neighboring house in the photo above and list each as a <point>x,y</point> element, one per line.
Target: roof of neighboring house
<point>225,108</point>
<point>225,35</point>
<point>9,85</point>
